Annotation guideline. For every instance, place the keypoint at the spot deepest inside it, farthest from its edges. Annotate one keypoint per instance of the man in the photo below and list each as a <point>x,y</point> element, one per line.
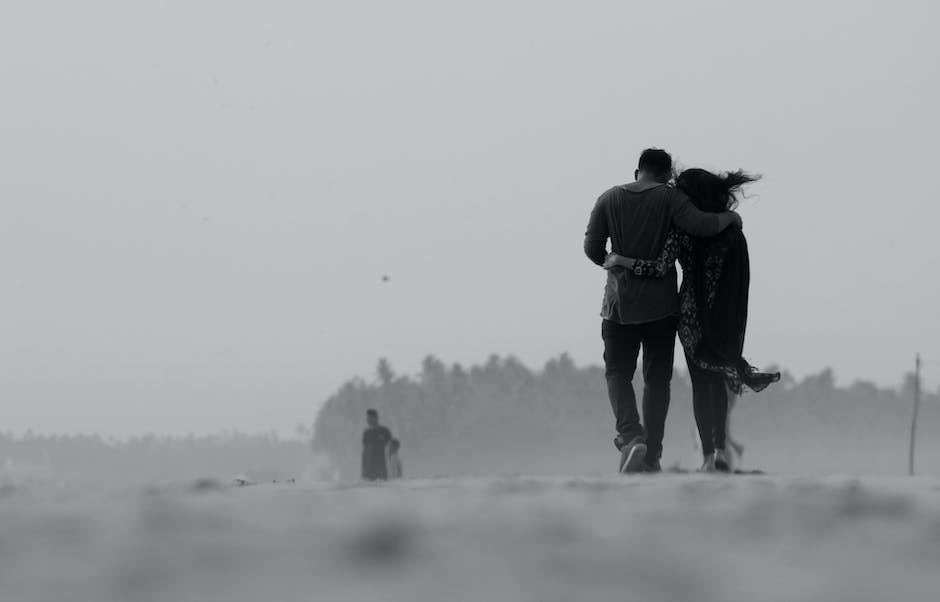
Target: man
<point>638,312</point>
<point>375,440</point>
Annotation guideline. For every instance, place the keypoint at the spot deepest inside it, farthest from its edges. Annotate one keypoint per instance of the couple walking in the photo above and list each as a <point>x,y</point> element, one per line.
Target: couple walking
<point>651,225</point>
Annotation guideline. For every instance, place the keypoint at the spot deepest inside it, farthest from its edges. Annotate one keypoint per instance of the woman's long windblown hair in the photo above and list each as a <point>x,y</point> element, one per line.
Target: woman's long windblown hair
<point>712,192</point>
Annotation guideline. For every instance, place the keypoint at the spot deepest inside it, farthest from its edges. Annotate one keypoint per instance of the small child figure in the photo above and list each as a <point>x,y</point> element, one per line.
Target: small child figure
<point>394,462</point>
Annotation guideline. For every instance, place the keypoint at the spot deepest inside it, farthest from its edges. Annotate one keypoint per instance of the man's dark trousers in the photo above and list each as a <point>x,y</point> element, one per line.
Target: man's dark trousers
<point>622,343</point>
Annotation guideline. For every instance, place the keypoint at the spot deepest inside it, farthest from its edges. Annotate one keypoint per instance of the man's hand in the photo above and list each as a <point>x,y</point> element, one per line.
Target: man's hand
<point>729,218</point>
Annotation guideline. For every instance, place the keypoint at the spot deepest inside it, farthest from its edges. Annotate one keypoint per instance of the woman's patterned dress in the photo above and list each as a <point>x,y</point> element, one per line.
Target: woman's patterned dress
<point>680,246</point>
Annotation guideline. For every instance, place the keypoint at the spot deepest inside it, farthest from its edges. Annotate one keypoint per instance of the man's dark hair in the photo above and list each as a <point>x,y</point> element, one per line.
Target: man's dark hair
<point>372,412</point>
<point>656,162</point>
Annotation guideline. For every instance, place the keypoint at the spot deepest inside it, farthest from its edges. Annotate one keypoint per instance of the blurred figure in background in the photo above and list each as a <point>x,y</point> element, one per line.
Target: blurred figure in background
<point>734,444</point>
<point>375,440</point>
<point>394,461</point>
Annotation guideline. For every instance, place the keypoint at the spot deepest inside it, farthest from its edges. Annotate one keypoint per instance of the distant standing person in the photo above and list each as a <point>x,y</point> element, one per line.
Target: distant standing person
<point>375,440</point>
<point>394,460</point>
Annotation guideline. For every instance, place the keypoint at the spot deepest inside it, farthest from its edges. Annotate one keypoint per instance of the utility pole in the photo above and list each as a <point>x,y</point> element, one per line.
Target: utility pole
<point>910,465</point>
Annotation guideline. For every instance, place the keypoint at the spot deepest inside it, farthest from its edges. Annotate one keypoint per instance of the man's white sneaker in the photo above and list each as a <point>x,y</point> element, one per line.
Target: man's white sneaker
<point>633,457</point>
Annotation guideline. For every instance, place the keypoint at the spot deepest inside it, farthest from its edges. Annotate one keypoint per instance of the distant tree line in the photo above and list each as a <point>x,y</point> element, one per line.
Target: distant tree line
<point>502,417</point>
<point>152,459</point>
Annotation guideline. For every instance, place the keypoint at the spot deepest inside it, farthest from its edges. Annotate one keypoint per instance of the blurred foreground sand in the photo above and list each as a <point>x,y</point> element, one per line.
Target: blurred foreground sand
<point>650,538</point>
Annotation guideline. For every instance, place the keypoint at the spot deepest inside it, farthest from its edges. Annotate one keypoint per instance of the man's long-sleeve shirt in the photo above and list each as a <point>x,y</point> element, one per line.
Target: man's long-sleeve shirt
<point>375,440</point>
<point>636,218</point>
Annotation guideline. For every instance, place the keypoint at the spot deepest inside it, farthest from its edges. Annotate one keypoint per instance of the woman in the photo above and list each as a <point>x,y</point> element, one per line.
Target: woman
<point>713,308</point>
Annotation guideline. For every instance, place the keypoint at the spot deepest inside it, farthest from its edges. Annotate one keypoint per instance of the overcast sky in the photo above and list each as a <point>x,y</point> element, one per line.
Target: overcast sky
<point>200,198</point>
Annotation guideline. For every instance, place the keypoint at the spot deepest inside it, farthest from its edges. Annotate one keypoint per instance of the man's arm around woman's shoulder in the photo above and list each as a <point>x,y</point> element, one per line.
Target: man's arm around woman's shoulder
<point>688,218</point>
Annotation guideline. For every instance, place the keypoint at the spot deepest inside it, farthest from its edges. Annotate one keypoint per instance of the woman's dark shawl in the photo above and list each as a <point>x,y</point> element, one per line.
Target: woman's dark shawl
<point>721,278</point>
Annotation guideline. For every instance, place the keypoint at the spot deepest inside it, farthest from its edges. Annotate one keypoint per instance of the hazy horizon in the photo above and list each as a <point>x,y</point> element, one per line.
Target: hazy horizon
<point>200,199</point>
